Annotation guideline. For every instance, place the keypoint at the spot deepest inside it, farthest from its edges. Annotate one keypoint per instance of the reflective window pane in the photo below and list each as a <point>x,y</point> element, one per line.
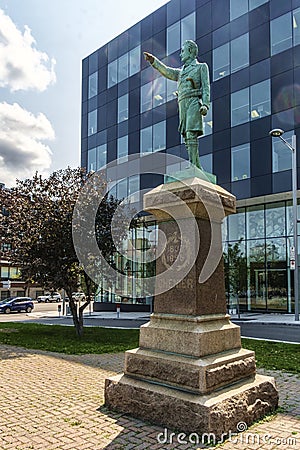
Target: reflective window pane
<point>123,110</point>
<point>236,225</point>
<point>93,84</point>
<point>171,89</point>
<point>146,140</point>
<point>296,26</point>
<point>159,91</point>
<point>146,97</point>
<point>260,100</point>
<point>206,162</point>
<point>221,66</point>
<point>240,107</point>
<point>159,136</point>
<point>188,28</point>
<point>240,162</point>
<point>238,8</point>
<point>101,156</point>
<point>134,187</point>
<point>173,38</point>
<point>275,219</point>
<point>123,68</point>
<point>135,60</point>
<point>255,3</point>
<point>92,161</point>
<point>239,52</point>
<point>208,122</point>
<point>281,154</point>
<point>281,33</point>
<point>112,75</point>
<point>92,122</point>
<point>255,222</point>
<point>122,188</point>
<point>122,149</point>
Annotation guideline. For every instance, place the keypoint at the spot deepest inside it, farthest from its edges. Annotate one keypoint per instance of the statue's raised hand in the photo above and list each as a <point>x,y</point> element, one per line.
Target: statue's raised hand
<point>149,57</point>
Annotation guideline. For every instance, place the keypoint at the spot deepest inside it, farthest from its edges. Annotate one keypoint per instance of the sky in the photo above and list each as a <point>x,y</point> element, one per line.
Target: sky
<point>42,44</point>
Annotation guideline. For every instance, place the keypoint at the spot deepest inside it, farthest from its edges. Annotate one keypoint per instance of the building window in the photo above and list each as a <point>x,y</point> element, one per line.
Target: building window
<point>188,28</point>
<point>221,62</point>
<point>96,158</point>
<point>179,32</point>
<point>134,60</point>
<point>146,97</point>
<point>134,188</point>
<point>159,136</point>
<point>240,162</point>
<point>93,85</point>
<point>296,26</point>
<point>208,122</point>
<point>173,38</point>
<point>92,122</point>
<point>112,71</point>
<point>146,140</point>
<point>238,8</point>
<point>281,33</point>
<point>260,100</point>
<point>92,161</point>
<point>159,91</point>
<point>281,154</point>
<point>121,188</point>
<point>123,68</point>
<point>240,107</point>
<point>256,3</point>
<point>123,111</point>
<point>206,162</point>
<point>171,90</point>
<point>101,156</point>
<point>122,149</point>
<point>239,52</point>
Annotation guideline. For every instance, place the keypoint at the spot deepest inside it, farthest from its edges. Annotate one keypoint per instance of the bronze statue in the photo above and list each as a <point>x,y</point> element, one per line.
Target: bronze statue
<point>193,95</point>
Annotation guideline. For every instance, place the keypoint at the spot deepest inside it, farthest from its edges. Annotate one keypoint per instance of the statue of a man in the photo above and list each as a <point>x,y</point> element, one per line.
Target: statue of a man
<point>193,95</point>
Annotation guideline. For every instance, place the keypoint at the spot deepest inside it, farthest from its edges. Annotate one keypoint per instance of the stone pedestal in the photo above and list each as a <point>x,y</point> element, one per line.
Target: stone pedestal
<point>190,372</point>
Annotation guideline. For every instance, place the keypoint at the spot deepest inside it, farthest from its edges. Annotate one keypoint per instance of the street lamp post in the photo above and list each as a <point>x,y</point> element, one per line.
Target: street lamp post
<point>277,132</point>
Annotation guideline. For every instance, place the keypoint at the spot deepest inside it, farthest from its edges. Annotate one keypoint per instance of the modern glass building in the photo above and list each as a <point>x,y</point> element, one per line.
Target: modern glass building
<point>252,48</point>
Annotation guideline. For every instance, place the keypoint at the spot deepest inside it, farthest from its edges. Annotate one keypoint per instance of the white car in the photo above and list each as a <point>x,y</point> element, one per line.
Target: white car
<point>53,297</point>
<point>78,296</point>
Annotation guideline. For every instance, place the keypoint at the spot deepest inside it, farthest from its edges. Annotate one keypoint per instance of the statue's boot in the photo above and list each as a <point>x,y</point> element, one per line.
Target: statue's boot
<point>193,153</point>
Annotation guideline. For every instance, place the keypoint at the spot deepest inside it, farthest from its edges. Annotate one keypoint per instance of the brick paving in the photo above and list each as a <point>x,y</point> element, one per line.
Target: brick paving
<point>53,401</point>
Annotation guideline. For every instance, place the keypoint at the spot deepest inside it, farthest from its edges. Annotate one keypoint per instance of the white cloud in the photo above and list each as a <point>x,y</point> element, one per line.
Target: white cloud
<point>23,67</point>
<point>22,151</point>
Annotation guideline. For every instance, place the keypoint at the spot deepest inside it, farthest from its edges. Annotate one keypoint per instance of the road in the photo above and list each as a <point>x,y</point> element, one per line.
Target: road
<point>47,313</point>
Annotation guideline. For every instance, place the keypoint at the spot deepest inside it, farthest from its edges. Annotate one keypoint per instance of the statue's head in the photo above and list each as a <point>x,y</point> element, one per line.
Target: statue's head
<point>189,50</point>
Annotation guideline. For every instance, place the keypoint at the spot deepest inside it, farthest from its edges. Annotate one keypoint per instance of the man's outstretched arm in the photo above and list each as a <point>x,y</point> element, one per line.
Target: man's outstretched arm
<point>168,72</point>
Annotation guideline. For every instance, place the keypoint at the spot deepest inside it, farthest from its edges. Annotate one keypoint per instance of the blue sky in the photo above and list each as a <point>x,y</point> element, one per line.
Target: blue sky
<point>42,44</point>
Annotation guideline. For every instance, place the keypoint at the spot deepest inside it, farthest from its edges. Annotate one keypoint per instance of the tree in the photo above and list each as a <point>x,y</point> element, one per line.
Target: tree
<point>39,228</point>
<point>235,270</point>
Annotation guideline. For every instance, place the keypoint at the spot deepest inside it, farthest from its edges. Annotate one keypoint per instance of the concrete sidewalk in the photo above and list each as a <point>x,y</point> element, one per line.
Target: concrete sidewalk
<point>51,401</point>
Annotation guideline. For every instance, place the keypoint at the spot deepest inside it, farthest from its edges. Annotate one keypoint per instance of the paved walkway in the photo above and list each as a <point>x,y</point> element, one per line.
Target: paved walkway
<point>53,401</point>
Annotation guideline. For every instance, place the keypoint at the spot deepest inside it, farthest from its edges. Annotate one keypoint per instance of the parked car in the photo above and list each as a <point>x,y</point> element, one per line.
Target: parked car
<point>78,296</point>
<point>16,304</point>
<point>53,297</point>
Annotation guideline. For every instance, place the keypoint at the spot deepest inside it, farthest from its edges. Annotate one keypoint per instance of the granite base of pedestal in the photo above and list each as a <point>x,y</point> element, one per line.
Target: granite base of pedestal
<point>217,413</point>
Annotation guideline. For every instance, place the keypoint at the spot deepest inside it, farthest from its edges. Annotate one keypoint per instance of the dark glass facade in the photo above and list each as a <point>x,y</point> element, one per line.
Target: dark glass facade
<point>252,48</point>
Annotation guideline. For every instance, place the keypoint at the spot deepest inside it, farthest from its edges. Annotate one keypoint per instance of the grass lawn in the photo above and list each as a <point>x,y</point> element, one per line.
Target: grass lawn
<point>62,339</point>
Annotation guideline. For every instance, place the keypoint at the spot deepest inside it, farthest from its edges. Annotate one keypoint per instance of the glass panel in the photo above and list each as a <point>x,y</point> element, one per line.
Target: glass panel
<point>92,162</point>
<point>281,154</point>
<point>122,189</point>
<point>14,273</point>
<point>4,272</point>
<point>260,100</point>
<point>257,279</point>
<point>221,61</point>
<point>122,149</point>
<point>240,162</point>
<point>240,107</point>
<point>101,156</point>
<point>134,187</point>
<point>134,60</point>
<point>238,8</point>
<point>255,222</point>
<point>206,162</point>
<point>93,84</point>
<point>112,76</point>
<point>173,38</point>
<point>146,140</point>
<point>255,3</point>
<point>208,122</point>
<point>171,90</point>
<point>92,122</point>
<point>123,69</point>
<point>236,271</point>
<point>146,97</point>
<point>281,33</point>
<point>237,223</point>
<point>188,28</point>
<point>123,111</point>
<point>275,219</point>
<point>159,91</point>
<point>296,26</point>
<point>159,136</point>
<point>239,52</point>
